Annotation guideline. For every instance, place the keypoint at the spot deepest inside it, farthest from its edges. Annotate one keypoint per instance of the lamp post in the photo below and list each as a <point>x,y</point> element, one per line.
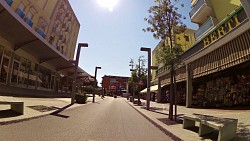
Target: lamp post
<point>76,62</point>
<point>149,74</point>
<point>95,83</point>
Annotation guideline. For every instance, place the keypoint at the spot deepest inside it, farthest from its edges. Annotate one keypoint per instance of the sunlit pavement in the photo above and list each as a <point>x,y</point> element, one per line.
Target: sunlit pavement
<point>7,116</point>
<point>112,119</point>
<point>158,114</point>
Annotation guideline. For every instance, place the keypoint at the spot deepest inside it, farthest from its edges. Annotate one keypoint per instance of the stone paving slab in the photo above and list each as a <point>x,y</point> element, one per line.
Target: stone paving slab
<point>158,113</point>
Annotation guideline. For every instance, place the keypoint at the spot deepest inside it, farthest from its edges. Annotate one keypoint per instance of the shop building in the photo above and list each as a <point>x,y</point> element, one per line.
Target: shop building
<point>37,44</point>
<point>114,84</point>
<point>216,70</point>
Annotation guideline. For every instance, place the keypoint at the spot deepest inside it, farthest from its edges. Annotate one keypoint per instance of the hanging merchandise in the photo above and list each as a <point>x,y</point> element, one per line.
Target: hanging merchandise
<point>224,92</point>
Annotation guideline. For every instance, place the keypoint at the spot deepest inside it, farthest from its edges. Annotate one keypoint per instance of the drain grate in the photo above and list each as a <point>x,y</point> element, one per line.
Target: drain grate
<point>42,108</point>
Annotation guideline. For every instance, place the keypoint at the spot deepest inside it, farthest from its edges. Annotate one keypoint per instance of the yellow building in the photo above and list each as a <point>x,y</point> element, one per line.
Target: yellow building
<point>215,68</point>
<point>185,39</point>
<point>208,13</point>
<point>37,44</point>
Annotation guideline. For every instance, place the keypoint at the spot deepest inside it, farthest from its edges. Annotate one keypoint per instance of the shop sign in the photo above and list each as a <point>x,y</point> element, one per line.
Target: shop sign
<point>113,88</point>
<point>222,30</point>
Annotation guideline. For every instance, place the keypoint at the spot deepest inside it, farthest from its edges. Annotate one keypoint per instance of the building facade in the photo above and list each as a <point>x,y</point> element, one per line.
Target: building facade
<point>114,84</point>
<point>37,44</point>
<point>216,70</point>
<point>185,39</point>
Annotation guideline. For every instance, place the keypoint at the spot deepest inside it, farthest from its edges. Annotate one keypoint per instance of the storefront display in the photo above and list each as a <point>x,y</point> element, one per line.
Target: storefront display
<point>224,92</point>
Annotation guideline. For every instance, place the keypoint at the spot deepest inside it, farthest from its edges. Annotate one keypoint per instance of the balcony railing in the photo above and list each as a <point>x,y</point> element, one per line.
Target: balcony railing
<point>197,6</point>
<point>29,22</point>
<point>9,2</point>
<point>20,13</point>
<point>204,28</point>
<point>40,32</point>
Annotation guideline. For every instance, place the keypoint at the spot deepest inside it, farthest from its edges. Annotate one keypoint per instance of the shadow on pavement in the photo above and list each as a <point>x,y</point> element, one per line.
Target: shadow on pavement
<point>156,110</point>
<point>8,113</point>
<point>167,121</point>
<point>56,113</point>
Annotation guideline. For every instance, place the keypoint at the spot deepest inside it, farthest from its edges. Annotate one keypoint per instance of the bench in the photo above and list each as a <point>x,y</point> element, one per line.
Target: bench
<point>226,126</point>
<point>17,106</point>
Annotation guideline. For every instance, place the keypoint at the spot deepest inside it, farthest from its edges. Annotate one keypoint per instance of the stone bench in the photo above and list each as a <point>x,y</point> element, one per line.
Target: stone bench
<point>17,106</point>
<point>226,126</point>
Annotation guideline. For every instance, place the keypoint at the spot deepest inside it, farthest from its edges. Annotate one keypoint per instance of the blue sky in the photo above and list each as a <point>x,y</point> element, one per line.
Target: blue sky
<point>115,37</point>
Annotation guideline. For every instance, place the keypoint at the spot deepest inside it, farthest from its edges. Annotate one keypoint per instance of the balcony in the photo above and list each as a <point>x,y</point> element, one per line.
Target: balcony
<point>9,2</point>
<point>201,10</point>
<point>40,32</point>
<point>20,13</point>
<point>29,22</point>
<point>210,23</point>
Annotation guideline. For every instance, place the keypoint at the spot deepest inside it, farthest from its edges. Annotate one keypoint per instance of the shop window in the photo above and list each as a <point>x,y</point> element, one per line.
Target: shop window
<point>4,69</point>
<point>15,72</point>
<point>23,75</point>
<point>31,66</point>
<point>44,77</point>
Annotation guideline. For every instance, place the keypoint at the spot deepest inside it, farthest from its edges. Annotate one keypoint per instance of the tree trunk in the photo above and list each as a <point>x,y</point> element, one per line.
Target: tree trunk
<point>171,92</point>
<point>175,98</point>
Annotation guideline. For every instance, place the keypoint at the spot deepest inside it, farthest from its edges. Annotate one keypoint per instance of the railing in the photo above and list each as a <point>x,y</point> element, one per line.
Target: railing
<point>196,7</point>
<point>20,13</point>
<point>9,2</point>
<point>40,32</point>
<point>205,27</point>
<point>29,22</point>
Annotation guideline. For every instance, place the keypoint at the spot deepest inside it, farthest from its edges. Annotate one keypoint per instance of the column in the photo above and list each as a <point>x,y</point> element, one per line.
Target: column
<point>9,74</point>
<point>189,87</point>
<point>159,90</point>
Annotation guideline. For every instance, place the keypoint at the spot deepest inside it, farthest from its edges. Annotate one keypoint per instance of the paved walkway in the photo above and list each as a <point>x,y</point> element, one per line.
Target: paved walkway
<point>158,114</point>
<point>35,107</point>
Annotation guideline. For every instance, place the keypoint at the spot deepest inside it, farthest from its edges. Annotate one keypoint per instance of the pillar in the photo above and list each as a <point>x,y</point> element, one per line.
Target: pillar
<point>189,87</point>
<point>159,90</point>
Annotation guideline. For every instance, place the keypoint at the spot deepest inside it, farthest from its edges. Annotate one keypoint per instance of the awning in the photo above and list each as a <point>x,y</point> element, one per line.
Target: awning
<point>152,89</point>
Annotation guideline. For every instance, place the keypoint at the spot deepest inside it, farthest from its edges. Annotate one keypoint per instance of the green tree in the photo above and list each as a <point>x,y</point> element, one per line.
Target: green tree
<point>165,22</point>
<point>139,73</point>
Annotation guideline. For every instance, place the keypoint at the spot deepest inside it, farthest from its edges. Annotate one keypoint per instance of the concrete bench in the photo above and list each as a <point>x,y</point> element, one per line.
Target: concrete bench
<point>226,126</point>
<point>17,106</point>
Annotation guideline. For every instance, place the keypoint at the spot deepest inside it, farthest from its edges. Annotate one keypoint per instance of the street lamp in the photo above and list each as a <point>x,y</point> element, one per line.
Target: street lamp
<point>149,74</point>
<point>95,83</point>
<point>76,62</point>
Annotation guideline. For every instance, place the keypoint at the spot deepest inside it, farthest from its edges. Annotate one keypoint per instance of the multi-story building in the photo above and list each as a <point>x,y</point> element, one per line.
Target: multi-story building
<point>37,44</point>
<point>114,84</point>
<point>185,40</point>
<point>216,70</point>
